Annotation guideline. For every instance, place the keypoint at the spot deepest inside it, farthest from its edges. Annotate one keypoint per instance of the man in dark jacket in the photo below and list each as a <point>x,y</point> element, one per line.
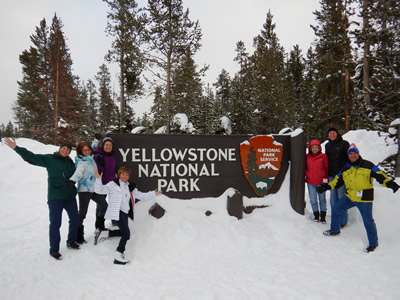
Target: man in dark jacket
<point>336,150</point>
<point>60,196</point>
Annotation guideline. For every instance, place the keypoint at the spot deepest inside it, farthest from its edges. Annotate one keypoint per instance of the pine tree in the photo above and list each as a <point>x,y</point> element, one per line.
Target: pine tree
<point>380,39</point>
<point>251,164</point>
<point>146,122</point>
<point>309,111</point>
<point>223,92</point>
<point>334,64</point>
<point>107,119</point>
<point>295,86</point>
<point>93,107</point>
<point>63,96</point>
<point>85,128</point>
<point>31,109</point>
<point>203,114</point>
<point>9,130</point>
<point>159,108</point>
<point>242,93</point>
<point>170,34</point>
<point>46,107</point>
<point>206,120</point>
<point>187,88</point>
<point>126,25</point>
<point>271,96</point>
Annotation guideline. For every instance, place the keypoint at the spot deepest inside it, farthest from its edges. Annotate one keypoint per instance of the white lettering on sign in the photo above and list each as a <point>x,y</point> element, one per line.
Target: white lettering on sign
<point>171,164</point>
<point>182,185</point>
<point>269,150</point>
<point>269,159</point>
<point>269,154</point>
<point>172,170</point>
<point>166,154</point>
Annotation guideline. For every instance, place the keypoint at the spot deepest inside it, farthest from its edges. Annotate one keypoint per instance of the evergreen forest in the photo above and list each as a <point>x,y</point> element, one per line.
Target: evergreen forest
<point>349,77</point>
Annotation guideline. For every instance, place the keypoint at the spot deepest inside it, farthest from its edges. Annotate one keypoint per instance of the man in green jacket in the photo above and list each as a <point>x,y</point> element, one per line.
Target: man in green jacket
<point>357,177</point>
<point>60,193</point>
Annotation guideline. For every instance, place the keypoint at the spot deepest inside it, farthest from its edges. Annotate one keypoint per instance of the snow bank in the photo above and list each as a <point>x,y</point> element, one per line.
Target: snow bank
<point>272,253</point>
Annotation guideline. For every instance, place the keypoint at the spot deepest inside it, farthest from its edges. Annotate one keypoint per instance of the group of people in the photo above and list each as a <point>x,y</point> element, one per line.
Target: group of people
<point>93,176</point>
<point>348,176</point>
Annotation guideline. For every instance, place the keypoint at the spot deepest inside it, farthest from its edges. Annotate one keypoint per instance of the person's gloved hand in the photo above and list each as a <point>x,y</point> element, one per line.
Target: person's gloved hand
<point>100,160</point>
<point>70,184</point>
<point>393,185</point>
<point>323,187</point>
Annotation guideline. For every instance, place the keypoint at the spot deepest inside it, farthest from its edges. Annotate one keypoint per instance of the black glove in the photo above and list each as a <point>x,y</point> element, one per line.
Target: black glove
<point>323,187</point>
<point>392,185</point>
<point>100,160</point>
<point>70,184</point>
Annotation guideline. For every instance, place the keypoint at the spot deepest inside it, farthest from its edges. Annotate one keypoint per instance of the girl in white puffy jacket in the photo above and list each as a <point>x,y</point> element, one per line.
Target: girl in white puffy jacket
<point>121,198</point>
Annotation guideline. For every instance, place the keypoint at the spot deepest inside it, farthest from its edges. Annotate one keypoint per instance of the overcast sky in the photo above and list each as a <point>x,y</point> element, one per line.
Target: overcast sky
<point>223,24</point>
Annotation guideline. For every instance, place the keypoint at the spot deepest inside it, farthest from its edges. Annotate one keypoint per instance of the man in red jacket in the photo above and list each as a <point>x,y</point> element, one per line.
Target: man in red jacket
<point>316,174</point>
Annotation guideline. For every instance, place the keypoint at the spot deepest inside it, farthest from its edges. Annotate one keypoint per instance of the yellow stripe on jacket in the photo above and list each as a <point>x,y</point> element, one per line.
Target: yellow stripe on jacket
<point>357,178</point>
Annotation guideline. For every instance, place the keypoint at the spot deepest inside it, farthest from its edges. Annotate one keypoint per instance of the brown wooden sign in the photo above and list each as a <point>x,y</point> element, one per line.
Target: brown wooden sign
<point>261,158</point>
<point>192,166</point>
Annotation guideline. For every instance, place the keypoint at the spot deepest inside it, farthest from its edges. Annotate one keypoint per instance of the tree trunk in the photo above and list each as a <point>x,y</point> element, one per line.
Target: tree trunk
<point>347,98</point>
<point>56,106</point>
<point>366,78</point>
<point>122,93</point>
<point>347,56</point>
<point>168,95</point>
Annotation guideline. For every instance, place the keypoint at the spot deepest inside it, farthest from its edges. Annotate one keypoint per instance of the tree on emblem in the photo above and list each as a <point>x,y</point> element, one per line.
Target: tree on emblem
<point>252,161</point>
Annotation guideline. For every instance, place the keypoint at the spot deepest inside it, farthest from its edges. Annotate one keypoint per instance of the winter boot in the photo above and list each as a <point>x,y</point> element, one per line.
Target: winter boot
<point>100,223</point>
<point>81,239</point>
<point>57,256</point>
<point>323,215</point>
<point>370,249</point>
<point>119,258</point>
<point>316,216</point>
<point>73,246</point>
<point>330,233</point>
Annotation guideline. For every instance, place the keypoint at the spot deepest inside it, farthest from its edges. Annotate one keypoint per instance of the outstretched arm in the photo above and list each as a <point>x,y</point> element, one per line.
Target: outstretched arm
<point>145,196</point>
<point>30,157</point>
<point>383,179</point>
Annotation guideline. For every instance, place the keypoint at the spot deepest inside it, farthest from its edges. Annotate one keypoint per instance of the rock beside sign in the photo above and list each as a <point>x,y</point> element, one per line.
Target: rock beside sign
<point>157,211</point>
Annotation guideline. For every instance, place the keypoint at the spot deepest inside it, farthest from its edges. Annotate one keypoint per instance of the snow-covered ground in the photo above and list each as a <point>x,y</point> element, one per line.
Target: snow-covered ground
<point>272,253</point>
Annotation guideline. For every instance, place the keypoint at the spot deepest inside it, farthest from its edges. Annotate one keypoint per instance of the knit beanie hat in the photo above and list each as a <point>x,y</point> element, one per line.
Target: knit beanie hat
<point>69,145</point>
<point>107,139</point>
<point>332,129</point>
<point>353,148</point>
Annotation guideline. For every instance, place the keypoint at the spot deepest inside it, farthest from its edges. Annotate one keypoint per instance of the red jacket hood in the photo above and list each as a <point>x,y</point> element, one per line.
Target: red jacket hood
<point>312,143</point>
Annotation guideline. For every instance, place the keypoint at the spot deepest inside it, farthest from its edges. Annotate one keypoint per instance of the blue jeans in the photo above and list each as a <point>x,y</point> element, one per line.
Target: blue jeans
<point>365,209</point>
<point>313,194</point>
<point>55,216</point>
<point>337,194</point>
<point>124,229</point>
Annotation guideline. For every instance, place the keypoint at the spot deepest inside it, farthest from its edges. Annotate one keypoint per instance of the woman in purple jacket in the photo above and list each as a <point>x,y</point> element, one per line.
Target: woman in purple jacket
<point>107,166</point>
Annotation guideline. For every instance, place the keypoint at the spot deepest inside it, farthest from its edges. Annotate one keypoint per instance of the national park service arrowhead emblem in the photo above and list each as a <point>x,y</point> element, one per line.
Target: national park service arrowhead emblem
<point>261,158</point>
